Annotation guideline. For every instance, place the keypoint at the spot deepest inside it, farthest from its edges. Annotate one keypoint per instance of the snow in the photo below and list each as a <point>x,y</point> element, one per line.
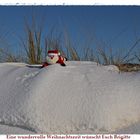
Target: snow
<point>82,97</point>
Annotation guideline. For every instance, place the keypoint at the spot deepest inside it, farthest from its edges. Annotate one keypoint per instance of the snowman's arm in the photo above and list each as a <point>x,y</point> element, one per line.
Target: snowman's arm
<point>61,61</point>
<point>63,64</point>
<point>45,64</point>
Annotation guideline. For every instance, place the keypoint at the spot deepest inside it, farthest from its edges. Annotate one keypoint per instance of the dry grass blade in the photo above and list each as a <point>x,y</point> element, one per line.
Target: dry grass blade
<point>74,54</point>
<point>104,56</point>
<point>130,51</point>
<point>137,57</point>
<point>32,44</point>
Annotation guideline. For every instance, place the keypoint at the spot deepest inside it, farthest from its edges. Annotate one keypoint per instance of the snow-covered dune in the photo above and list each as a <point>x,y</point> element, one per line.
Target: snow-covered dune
<point>79,98</point>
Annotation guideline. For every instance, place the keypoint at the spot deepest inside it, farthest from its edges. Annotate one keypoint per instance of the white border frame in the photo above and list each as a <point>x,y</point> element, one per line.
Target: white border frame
<point>69,2</point>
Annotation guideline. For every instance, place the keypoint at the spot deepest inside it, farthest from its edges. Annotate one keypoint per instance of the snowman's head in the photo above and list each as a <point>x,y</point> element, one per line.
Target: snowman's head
<point>52,56</point>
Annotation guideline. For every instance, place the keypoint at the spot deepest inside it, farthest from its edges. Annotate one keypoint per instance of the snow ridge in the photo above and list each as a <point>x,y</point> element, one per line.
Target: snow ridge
<point>79,98</point>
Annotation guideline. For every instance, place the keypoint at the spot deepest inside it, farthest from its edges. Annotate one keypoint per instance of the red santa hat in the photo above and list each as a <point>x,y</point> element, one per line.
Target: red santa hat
<point>53,52</point>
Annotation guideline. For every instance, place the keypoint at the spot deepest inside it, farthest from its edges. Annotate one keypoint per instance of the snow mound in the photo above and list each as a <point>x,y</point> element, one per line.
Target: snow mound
<point>81,97</point>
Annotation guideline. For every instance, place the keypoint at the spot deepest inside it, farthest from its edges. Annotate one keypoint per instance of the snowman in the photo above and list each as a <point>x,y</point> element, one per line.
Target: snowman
<point>53,57</point>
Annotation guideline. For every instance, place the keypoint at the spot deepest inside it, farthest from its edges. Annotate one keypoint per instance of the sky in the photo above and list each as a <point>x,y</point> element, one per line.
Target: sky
<point>117,26</point>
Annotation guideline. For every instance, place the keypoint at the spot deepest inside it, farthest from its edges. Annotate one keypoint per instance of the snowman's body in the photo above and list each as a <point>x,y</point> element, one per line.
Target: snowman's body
<point>53,57</point>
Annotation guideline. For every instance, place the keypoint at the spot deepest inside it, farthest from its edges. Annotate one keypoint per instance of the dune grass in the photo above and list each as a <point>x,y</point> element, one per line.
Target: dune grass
<point>32,43</point>
<point>103,54</point>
